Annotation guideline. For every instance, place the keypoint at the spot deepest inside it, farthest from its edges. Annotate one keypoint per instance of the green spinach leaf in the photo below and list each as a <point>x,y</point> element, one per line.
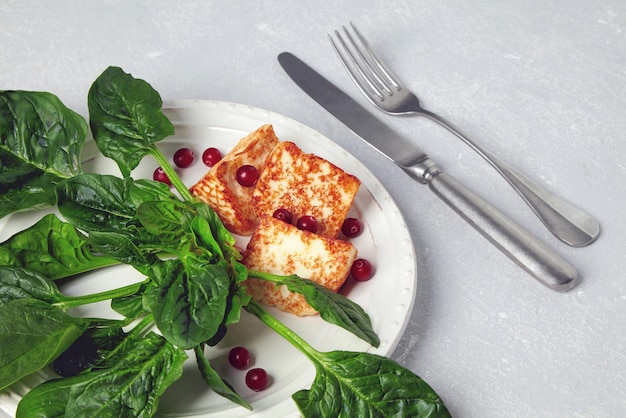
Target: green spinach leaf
<point>203,238</point>
<point>32,192</point>
<point>120,246</point>
<point>18,283</point>
<point>132,387</point>
<point>333,307</point>
<point>190,299</point>
<point>142,190</point>
<point>107,339</point>
<point>33,333</point>
<point>106,206</point>
<point>351,384</point>
<point>239,296</point>
<point>40,144</point>
<point>167,220</point>
<point>95,202</point>
<point>220,236</point>
<point>126,118</point>
<point>189,225</point>
<point>215,382</point>
<point>114,343</point>
<point>51,247</point>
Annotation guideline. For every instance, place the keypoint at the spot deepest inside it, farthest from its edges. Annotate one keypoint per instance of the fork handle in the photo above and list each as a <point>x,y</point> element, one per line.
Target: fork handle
<point>535,257</point>
<point>568,223</point>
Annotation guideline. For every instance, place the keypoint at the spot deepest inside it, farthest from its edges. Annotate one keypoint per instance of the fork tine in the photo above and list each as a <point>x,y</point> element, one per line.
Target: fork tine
<point>368,63</point>
<point>368,72</point>
<point>354,69</point>
<point>365,66</point>
<point>375,63</point>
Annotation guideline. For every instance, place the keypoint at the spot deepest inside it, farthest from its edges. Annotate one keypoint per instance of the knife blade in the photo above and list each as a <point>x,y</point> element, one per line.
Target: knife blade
<point>526,250</point>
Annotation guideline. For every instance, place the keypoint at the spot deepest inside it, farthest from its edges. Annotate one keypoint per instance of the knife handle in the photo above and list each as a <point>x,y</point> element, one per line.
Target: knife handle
<point>539,260</point>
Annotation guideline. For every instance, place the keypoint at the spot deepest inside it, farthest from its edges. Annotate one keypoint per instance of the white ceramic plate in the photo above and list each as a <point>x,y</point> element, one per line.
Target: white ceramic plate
<point>388,297</point>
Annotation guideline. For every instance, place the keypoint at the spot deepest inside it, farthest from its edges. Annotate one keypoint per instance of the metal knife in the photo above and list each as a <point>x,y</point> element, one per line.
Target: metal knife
<point>534,256</point>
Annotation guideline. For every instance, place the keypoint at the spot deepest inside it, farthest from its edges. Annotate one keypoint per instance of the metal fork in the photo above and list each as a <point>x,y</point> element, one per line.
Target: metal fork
<point>385,91</point>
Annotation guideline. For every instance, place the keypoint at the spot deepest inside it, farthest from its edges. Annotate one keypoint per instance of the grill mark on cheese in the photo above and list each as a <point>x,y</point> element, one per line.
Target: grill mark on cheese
<point>305,184</point>
<point>280,248</point>
<point>219,187</point>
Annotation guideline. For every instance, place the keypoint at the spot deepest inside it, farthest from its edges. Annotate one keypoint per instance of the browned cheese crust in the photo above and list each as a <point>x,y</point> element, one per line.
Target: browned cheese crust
<point>219,187</point>
<point>305,184</point>
<point>279,248</point>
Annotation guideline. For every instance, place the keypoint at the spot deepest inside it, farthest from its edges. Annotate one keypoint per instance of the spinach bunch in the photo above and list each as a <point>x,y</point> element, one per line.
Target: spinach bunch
<point>192,289</point>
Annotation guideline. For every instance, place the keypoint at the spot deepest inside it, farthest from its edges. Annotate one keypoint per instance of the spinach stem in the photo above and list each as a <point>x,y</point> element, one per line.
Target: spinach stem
<point>73,301</point>
<point>275,278</point>
<point>171,174</point>
<point>141,325</point>
<point>282,330</point>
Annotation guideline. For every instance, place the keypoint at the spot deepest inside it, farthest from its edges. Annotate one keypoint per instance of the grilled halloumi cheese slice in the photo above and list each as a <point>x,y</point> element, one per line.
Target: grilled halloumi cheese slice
<point>305,185</point>
<point>280,248</point>
<point>220,190</point>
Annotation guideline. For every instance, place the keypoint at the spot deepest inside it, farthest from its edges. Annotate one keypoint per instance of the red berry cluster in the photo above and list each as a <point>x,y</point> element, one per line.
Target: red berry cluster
<point>184,157</point>
<point>361,269</point>
<point>257,378</point>
<point>247,176</point>
<point>305,223</point>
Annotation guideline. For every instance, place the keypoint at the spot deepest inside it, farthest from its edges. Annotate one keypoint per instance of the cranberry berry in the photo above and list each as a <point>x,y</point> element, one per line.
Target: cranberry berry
<point>211,156</point>
<point>361,270</point>
<point>307,223</point>
<point>351,227</point>
<point>257,379</point>
<point>283,214</point>
<point>247,175</point>
<point>239,358</point>
<point>159,175</point>
<point>183,157</point>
